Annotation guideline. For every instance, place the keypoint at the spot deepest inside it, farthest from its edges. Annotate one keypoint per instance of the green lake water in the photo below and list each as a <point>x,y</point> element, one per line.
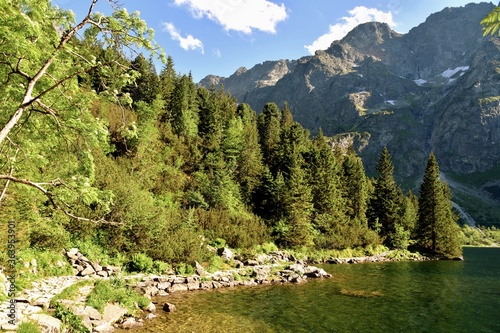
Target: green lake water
<point>431,296</point>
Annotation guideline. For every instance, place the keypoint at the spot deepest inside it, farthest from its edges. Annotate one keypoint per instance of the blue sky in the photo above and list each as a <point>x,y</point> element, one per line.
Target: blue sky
<point>219,36</point>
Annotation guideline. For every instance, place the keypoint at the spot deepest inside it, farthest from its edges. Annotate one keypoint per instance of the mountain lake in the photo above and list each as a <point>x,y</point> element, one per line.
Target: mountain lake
<point>427,296</point>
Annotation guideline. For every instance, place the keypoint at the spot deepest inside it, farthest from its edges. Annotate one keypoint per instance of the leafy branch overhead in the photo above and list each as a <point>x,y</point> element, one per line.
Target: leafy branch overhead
<point>491,22</point>
<point>45,117</point>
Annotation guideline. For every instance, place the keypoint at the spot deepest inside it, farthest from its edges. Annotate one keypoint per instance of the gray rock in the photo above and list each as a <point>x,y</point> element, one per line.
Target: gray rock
<point>177,287</point>
<point>199,269</point>
<point>169,307</point>
<point>298,268</point>
<point>261,272</point>
<point>131,323</point>
<point>251,262</point>
<point>92,313</point>
<point>87,271</point>
<point>112,313</point>
<point>150,316</point>
<point>151,307</point>
<point>104,328</point>
<point>103,273</point>
<point>47,323</point>
<point>163,285</point>
<point>225,253</point>
<point>9,327</point>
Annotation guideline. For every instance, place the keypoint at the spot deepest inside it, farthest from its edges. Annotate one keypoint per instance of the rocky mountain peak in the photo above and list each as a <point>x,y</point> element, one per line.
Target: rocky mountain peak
<point>393,86</point>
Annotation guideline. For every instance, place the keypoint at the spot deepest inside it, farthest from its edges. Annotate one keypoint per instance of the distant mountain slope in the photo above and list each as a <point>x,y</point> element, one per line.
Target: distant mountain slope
<point>416,92</point>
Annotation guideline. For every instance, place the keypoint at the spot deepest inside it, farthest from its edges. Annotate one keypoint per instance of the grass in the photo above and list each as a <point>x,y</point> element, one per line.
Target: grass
<point>48,263</point>
<point>72,323</point>
<point>28,327</point>
<point>115,291</point>
<point>70,292</point>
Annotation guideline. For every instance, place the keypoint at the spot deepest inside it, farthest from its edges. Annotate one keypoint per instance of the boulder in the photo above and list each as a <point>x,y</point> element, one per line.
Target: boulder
<point>150,316</point>
<point>151,307</point>
<point>169,307</point>
<point>163,285</point>
<point>251,262</point>
<point>87,271</point>
<point>112,313</point>
<point>47,323</point>
<point>297,268</point>
<point>199,269</point>
<point>177,287</point>
<point>225,253</point>
<point>92,313</point>
<point>261,272</point>
<point>104,328</point>
<point>131,323</point>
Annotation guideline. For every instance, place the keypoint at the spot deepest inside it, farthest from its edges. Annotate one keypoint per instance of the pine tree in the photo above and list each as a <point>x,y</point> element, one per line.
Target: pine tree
<point>268,124</point>
<point>298,209</point>
<point>385,204</point>
<point>249,167</point>
<point>167,82</point>
<point>437,231</point>
<point>146,86</point>
<point>355,188</point>
<point>324,177</point>
<point>183,108</point>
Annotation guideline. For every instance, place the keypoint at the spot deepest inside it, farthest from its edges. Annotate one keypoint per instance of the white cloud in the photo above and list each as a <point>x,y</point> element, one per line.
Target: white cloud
<point>239,15</point>
<point>217,53</point>
<point>187,43</point>
<point>357,16</point>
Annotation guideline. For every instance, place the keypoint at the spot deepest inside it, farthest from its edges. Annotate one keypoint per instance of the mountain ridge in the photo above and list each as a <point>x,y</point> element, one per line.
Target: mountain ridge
<point>427,90</point>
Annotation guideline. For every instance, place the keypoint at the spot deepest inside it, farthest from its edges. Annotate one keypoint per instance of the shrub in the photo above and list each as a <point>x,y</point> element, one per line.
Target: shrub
<point>184,269</point>
<point>141,263</point>
<point>215,263</point>
<point>160,267</point>
<point>218,243</point>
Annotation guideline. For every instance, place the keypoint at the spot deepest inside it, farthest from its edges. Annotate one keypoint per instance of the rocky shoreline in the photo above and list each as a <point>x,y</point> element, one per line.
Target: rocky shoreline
<point>273,268</point>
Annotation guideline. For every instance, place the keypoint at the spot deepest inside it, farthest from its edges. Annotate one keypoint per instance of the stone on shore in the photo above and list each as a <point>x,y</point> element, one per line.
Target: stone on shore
<point>169,307</point>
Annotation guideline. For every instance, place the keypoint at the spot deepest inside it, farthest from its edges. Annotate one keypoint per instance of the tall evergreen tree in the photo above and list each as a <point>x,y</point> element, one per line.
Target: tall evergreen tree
<point>437,230</point>
<point>183,108</point>
<point>146,86</point>
<point>385,204</point>
<point>355,188</point>
<point>324,177</point>
<point>298,207</point>
<point>167,82</point>
<point>249,167</point>
<point>268,124</point>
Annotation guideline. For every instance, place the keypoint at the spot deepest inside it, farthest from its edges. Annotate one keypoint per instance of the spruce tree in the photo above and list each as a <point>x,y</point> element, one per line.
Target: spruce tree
<point>355,188</point>
<point>385,204</point>
<point>269,132</point>
<point>437,230</point>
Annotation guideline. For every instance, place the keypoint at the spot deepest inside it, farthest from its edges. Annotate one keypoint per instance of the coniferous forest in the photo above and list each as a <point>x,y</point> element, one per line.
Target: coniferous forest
<point>98,150</point>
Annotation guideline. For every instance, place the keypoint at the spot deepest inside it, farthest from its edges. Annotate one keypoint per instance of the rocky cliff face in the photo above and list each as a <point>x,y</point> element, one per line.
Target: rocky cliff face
<point>430,89</point>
